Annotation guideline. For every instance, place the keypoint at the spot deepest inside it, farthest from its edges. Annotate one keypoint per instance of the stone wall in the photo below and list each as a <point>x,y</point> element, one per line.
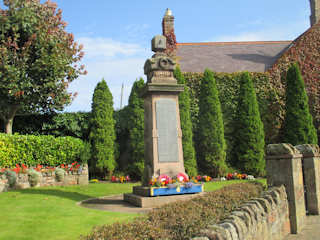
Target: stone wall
<point>262,218</point>
<point>46,179</point>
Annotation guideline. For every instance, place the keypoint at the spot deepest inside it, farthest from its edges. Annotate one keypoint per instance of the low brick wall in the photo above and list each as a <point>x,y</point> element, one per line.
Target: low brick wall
<point>46,179</point>
<point>261,218</point>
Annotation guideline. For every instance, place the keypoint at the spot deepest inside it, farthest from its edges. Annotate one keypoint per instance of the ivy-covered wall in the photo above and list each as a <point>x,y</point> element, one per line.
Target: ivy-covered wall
<point>305,50</point>
<point>228,86</point>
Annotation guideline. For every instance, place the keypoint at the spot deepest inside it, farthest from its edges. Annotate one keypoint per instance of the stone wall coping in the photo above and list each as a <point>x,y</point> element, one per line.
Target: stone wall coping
<point>309,150</point>
<point>255,219</point>
<point>281,149</point>
<point>284,156</point>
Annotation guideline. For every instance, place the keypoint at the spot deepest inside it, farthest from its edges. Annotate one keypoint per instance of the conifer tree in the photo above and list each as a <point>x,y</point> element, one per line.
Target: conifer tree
<point>102,133</point>
<point>136,130</point>
<point>249,134</point>
<point>211,149</point>
<point>190,163</point>
<point>298,124</point>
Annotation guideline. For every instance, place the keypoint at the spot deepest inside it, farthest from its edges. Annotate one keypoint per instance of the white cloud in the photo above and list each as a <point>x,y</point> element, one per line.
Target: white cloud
<point>116,62</point>
<point>106,47</point>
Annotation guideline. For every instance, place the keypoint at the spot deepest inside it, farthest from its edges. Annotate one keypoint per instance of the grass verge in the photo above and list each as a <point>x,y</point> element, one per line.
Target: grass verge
<point>51,213</point>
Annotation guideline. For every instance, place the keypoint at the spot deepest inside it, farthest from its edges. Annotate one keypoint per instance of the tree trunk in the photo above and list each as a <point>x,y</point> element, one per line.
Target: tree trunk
<point>8,120</point>
<point>8,126</point>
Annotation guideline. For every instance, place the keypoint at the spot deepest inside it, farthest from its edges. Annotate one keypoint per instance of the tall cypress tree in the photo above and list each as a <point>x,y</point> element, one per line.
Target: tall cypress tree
<point>136,130</point>
<point>249,134</point>
<point>298,124</point>
<point>102,133</point>
<point>190,162</point>
<point>211,149</point>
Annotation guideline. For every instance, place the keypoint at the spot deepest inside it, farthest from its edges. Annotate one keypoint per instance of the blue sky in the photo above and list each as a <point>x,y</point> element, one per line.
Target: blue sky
<point>116,34</point>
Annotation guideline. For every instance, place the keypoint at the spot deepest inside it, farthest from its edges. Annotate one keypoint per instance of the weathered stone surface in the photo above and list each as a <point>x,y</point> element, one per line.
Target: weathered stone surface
<point>284,167</point>
<point>150,202</point>
<point>158,43</point>
<point>281,149</point>
<point>46,179</point>
<point>200,238</point>
<point>162,131</point>
<point>311,172</point>
<point>308,150</point>
<point>259,218</point>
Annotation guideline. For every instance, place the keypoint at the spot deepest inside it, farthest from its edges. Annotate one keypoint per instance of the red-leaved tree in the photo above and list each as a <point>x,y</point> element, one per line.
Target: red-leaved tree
<point>37,59</point>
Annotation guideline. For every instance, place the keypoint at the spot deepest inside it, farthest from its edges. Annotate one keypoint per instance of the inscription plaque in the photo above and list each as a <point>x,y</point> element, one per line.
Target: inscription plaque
<point>166,119</point>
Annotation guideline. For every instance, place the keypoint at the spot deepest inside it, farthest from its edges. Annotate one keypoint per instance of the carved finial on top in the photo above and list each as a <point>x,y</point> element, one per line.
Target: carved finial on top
<point>159,44</point>
<point>168,12</point>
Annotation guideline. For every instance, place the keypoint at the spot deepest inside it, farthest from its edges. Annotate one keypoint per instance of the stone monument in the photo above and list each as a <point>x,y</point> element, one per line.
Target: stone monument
<point>162,132</point>
<point>163,137</point>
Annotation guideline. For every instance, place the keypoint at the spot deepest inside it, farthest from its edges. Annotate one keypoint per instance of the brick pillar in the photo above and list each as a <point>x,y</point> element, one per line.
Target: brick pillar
<point>311,172</point>
<point>167,23</point>
<point>284,166</point>
<point>315,11</point>
<point>168,32</point>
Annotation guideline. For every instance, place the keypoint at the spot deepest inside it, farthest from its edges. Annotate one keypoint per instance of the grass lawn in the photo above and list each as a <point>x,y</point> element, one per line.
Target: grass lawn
<point>52,213</point>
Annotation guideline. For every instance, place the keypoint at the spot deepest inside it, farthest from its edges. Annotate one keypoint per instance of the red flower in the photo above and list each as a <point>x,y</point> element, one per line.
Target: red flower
<point>230,176</point>
<point>163,178</point>
<point>182,177</point>
<point>113,179</point>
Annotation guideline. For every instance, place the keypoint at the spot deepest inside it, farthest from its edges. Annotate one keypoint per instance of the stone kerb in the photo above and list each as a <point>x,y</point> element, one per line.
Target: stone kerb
<point>311,171</point>
<point>284,167</point>
<point>262,218</point>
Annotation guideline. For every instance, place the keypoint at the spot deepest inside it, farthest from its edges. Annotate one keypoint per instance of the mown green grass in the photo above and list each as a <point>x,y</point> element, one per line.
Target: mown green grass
<point>52,214</point>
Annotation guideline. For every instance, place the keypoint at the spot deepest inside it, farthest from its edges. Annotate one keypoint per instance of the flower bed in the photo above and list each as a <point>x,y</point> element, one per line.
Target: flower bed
<point>22,176</point>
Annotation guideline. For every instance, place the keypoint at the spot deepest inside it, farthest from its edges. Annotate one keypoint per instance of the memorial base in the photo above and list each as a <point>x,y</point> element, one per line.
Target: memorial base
<point>166,191</point>
<point>152,202</point>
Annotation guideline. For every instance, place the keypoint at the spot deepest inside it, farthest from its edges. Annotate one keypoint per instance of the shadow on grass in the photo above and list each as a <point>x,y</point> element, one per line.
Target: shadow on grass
<point>74,196</point>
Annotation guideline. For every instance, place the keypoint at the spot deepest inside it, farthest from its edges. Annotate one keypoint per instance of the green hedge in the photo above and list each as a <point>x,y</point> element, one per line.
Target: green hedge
<point>45,150</point>
<point>73,124</point>
<point>228,86</point>
<point>182,219</point>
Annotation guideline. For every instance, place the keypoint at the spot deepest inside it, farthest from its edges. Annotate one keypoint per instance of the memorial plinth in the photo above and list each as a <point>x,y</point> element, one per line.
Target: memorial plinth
<point>162,131</point>
<point>163,136</point>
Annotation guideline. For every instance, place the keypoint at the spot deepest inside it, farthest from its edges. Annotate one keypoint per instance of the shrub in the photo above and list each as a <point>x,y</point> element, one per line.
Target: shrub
<point>190,162</point>
<point>183,219</point>
<point>73,124</point>
<point>211,145</point>
<point>102,132</point>
<point>298,124</point>
<point>33,150</point>
<point>249,134</point>
<point>136,130</point>
<point>33,177</point>
<point>270,106</point>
